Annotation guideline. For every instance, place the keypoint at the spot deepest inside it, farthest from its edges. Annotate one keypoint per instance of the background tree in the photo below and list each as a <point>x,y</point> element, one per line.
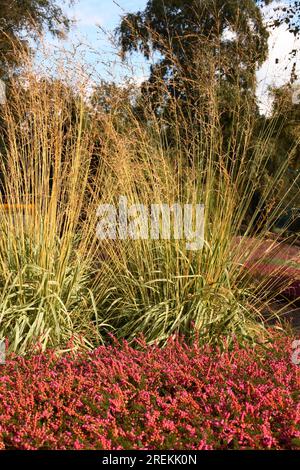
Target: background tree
<point>283,13</point>
<point>204,40</point>
<point>22,19</point>
<point>188,35</point>
<point>284,124</point>
<point>210,41</point>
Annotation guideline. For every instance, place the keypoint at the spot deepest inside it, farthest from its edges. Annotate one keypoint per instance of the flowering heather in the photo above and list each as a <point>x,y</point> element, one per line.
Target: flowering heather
<point>279,262</point>
<point>178,397</point>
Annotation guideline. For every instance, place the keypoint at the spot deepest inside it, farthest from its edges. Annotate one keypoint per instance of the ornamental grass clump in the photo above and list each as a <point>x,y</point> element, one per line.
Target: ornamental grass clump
<point>65,153</point>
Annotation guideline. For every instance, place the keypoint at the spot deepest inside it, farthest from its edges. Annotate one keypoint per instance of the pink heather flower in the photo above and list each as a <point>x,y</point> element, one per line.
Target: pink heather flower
<point>181,396</point>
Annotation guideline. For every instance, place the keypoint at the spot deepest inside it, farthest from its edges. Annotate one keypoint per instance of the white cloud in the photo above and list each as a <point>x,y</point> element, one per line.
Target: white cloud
<point>86,18</point>
<point>276,71</point>
<point>87,13</point>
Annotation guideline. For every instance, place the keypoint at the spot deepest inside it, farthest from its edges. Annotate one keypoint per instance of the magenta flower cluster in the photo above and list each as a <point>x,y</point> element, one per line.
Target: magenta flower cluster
<point>145,397</point>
